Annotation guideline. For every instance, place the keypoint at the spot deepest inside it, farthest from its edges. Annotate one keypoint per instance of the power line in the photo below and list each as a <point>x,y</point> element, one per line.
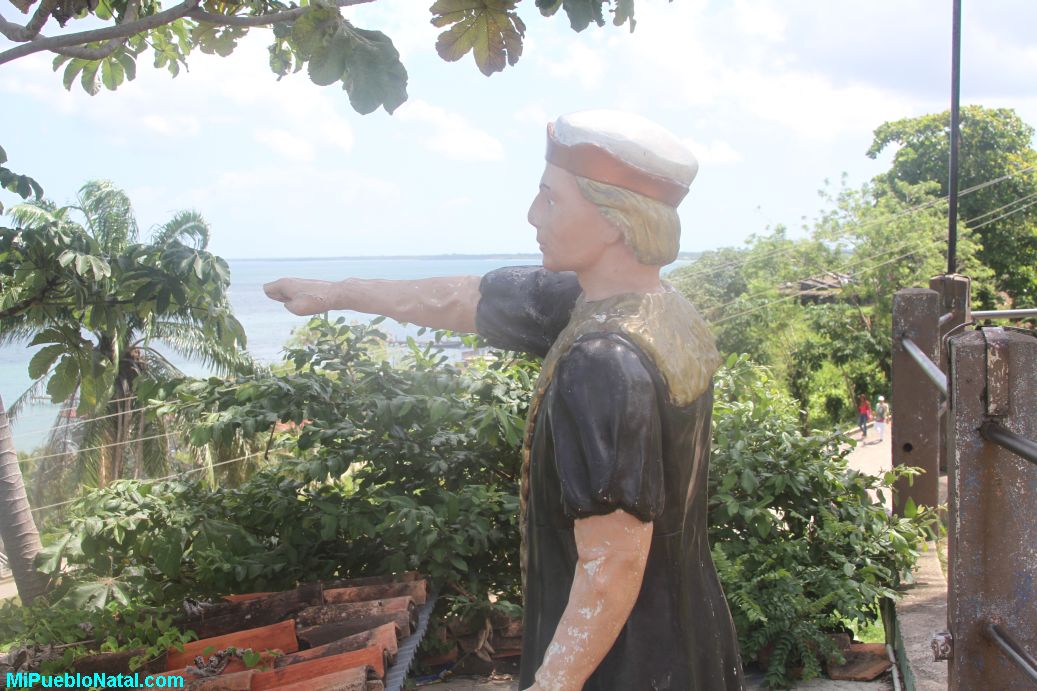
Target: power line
<point>83,421</point>
<point>969,222</point>
<point>804,292</point>
<point>896,248</point>
<point>159,479</point>
<point>1007,214</point>
<point>94,448</point>
<point>102,417</point>
<point>692,272</point>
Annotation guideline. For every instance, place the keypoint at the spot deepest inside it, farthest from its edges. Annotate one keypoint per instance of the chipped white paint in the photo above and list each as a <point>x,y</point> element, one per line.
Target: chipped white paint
<point>592,566</point>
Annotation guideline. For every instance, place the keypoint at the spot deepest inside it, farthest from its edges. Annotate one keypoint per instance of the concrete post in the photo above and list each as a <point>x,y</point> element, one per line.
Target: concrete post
<point>916,400</point>
<point>992,560</point>
<point>955,309</point>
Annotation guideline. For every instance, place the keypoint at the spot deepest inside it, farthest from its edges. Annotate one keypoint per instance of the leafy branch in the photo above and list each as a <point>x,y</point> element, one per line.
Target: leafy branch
<point>315,36</point>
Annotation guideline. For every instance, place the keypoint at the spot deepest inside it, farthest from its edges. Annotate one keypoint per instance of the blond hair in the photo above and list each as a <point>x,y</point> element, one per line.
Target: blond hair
<point>651,229</point>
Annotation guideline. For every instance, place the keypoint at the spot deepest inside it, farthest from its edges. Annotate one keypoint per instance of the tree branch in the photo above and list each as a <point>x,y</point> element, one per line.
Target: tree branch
<point>19,33</point>
<point>76,40</point>
<point>263,19</point>
<point>103,51</point>
<point>126,30</point>
<point>39,18</point>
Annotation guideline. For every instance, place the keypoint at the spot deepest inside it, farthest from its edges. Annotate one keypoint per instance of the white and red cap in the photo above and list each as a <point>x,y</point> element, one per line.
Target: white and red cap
<point>624,150</point>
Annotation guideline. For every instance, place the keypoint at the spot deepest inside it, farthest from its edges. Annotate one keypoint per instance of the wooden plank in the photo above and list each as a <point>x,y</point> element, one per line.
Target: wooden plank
<point>228,617</point>
<point>416,590</point>
<point>372,580</point>
<point>245,597</point>
<point>280,636</point>
<point>383,636</point>
<point>323,634</point>
<point>345,680</point>
<point>354,679</point>
<point>327,614</point>
<point>311,669</point>
<point>241,681</point>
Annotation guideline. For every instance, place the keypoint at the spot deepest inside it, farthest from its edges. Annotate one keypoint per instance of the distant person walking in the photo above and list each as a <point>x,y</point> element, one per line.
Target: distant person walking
<point>881,416</point>
<point>863,414</point>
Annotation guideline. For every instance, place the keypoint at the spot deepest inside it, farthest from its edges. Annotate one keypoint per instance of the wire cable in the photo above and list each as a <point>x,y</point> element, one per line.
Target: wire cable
<point>804,292</point>
<point>160,479</point>
<point>906,212</point>
<point>94,448</point>
<point>969,223</point>
<point>102,417</point>
<point>895,248</point>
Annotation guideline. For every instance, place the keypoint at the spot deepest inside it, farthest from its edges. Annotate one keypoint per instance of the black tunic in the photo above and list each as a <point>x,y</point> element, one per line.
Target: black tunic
<point>608,432</point>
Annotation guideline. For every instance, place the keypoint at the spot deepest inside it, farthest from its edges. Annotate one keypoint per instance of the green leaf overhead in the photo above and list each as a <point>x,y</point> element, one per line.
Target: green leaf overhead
<point>366,62</point>
<point>489,29</point>
<point>374,75</point>
<point>582,12</point>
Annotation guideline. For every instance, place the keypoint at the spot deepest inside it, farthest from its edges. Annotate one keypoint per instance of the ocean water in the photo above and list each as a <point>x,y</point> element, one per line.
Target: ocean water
<point>267,324</point>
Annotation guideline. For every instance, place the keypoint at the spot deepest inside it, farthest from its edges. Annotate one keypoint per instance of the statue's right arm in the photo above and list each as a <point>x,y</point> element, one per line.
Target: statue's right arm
<point>440,303</point>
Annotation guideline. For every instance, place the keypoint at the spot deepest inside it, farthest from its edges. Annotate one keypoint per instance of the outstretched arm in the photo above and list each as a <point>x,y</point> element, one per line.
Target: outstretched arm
<point>439,303</point>
<point>612,554</point>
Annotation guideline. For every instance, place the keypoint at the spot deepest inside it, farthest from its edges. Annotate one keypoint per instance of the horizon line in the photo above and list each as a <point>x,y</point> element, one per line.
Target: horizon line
<point>492,255</point>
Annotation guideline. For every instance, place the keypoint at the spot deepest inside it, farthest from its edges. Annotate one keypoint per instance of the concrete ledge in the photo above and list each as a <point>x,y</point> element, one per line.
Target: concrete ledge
<point>921,612</point>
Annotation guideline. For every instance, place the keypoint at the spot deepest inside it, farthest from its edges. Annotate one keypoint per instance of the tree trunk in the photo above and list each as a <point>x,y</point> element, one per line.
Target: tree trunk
<point>17,528</point>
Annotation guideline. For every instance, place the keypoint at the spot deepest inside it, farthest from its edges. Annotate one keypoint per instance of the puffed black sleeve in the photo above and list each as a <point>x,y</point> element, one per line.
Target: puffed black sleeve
<point>524,308</point>
<point>606,430</point>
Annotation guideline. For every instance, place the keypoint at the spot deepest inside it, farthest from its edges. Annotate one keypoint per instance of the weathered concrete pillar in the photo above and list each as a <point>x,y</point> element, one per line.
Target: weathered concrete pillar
<point>916,399</point>
<point>955,309</point>
<point>992,535</point>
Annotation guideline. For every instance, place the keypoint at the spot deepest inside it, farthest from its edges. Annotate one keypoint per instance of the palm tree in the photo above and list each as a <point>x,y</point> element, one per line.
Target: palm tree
<point>106,304</point>
<point>17,528</point>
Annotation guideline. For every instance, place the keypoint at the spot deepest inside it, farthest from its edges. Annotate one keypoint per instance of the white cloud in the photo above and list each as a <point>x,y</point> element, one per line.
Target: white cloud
<point>170,126</point>
<point>452,135</point>
<point>580,63</point>
<point>716,152</point>
<point>285,143</point>
<point>759,18</point>
<point>534,114</point>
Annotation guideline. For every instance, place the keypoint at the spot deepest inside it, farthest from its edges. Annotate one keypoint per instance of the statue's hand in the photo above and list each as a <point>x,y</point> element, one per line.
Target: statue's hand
<point>300,295</point>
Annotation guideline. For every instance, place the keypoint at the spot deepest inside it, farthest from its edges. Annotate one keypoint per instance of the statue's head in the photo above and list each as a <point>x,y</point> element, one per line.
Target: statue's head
<point>634,171</point>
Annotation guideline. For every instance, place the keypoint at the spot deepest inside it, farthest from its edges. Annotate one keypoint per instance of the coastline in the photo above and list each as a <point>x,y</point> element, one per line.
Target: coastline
<point>681,256</point>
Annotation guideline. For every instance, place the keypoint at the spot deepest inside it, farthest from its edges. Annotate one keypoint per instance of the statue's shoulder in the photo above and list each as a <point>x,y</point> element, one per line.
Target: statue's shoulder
<point>668,330</point>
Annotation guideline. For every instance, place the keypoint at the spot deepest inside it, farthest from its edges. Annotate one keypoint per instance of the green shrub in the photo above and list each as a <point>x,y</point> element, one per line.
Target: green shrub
<point>800,547</point>
<point>415,466</point>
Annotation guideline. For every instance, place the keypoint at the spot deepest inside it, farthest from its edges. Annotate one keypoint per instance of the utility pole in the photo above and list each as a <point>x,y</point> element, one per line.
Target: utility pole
<point>955,143</point>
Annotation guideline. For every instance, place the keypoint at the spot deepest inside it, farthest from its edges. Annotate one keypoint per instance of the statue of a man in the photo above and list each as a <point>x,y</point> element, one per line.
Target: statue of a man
<point>620,590</point>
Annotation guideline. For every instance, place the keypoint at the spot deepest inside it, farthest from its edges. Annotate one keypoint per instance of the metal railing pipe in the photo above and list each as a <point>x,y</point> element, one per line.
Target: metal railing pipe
<point>1015,652</point>
<point>1002,436</point>
<point>934,373</point>
<point>1004,314</point>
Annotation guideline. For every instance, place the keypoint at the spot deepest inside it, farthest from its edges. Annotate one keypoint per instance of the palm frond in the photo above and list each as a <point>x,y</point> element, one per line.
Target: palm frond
<point>17,329</point>
<point>187,227</point>
<point>33,214</point>
<point>156,364</point>
<point>87,468</point>
<point>190,341</point>
<point>29,398</point>
<point>109,215</point>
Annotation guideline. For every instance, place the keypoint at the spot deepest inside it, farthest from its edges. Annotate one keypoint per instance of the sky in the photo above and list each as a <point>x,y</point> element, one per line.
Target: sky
<point>777,98</point>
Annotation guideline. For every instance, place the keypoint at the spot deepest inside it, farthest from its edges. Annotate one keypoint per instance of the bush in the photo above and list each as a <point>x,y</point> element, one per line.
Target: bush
<point>416,467</point>
<point>393,468</point>
<point>800,547</point>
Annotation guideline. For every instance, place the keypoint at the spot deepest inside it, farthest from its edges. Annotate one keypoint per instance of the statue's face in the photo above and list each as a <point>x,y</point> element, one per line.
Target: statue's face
<point>571,231</point>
